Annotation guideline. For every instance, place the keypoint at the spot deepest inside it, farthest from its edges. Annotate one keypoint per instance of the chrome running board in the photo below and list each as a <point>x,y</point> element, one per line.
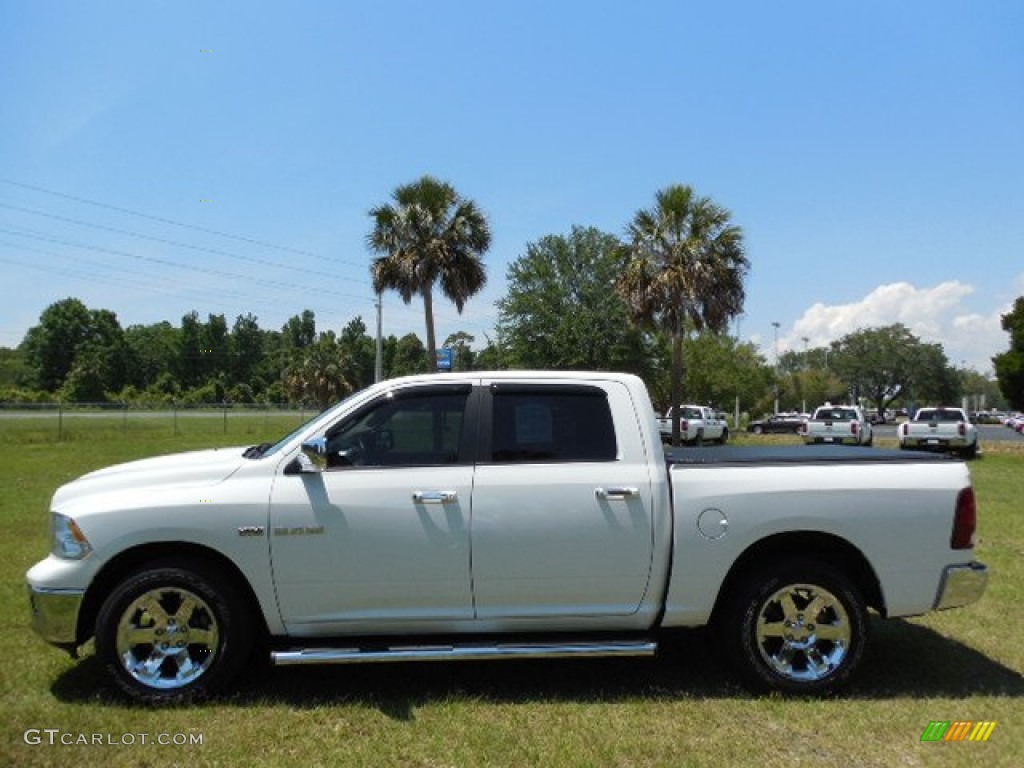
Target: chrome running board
<point>468,652</point>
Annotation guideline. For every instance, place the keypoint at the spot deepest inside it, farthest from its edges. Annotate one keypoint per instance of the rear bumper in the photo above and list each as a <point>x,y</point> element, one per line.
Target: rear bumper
<point>831,440</point>
<point>961,585</point>
<point>55,614</point>
<point>934,443</point>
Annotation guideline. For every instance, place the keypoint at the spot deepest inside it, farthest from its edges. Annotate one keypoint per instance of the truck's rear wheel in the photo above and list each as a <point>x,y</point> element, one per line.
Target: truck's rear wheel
<point>798,628</point>
<point>173,633</point>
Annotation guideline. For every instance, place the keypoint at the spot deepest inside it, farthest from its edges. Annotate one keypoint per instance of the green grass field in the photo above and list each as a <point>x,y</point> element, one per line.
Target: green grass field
<point>678,709</point>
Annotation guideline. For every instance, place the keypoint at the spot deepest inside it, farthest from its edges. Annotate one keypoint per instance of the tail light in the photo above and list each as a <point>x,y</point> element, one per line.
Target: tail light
<point>965,520</point>
<point>904,429</point>
<point>961,429</point>
<point>854,426</point>
<point>684,425</point>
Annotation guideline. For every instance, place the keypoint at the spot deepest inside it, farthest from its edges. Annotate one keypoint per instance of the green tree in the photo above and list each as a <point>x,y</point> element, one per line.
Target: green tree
<point>882,364</point>
<point>430,235</point>
<point>408,357</point>
<point>190,351</point>
<point>153,351</point>
<point>463,356</point>
<point>721,369</point>
<point>13,370</point>
<point>559,312</point>
<point>300,330</point>
<point>247,350</point>
<point>69,333</point>
<point>1009,365</point>
<point>361,352</point>
<point>320,376</point>
<point>216,348</point>
<point>684,268</point>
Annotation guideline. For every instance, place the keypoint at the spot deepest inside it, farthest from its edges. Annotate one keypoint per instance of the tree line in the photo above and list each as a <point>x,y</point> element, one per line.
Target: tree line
<point>656,303</point>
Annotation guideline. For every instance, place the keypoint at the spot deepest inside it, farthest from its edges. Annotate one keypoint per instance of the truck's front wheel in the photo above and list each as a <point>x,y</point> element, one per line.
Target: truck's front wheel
<point>171,634</point>
<point>798,628</point>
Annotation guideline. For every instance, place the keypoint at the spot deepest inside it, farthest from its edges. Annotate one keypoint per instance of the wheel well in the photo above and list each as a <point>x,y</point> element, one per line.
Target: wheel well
<point>831,549</point>
<point>124,563</point>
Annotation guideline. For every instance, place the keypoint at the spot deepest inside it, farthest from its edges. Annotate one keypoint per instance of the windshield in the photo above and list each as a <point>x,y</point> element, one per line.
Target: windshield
<point>269,449</point>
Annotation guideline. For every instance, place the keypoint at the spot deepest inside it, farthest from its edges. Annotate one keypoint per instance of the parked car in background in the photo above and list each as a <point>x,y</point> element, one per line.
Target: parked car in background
<point>839,424</point>
<point>698,424</point>
<point>940,429</point>
<point>779,423</point>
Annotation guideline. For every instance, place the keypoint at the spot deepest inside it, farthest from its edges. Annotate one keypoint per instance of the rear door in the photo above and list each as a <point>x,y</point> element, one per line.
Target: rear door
<point>562,502</point>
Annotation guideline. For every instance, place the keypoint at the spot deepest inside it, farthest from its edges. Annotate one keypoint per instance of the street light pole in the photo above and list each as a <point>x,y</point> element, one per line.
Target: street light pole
<point>378,367</point>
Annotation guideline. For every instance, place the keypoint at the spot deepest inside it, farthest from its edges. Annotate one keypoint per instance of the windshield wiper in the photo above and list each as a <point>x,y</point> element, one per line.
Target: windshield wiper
<point>256,451</point>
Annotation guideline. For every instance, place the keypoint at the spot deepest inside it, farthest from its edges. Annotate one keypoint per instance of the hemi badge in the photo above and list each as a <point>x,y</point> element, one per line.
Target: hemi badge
<point>300,530</point>
<point>251,530</point>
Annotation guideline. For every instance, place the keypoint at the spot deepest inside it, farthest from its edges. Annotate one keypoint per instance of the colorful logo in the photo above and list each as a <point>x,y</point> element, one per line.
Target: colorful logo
<point>958,730</point>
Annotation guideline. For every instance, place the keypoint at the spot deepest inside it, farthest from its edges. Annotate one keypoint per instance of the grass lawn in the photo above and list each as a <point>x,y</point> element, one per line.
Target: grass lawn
<point>678,709</point>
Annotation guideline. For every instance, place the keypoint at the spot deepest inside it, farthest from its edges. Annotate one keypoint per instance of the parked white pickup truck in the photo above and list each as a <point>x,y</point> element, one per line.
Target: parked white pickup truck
<point>698,424</point>
<point>839,424</point>
<point>940,429</point>
<point>497,515</point>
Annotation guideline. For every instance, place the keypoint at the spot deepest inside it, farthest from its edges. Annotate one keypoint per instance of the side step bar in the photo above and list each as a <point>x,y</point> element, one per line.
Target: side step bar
<point>468,652</point>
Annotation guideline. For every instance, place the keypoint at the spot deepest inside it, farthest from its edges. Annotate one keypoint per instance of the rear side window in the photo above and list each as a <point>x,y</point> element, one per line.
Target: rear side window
<point>551,424</point>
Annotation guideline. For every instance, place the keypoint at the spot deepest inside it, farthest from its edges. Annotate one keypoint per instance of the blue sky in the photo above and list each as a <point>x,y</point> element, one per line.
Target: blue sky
<point>873,152</point>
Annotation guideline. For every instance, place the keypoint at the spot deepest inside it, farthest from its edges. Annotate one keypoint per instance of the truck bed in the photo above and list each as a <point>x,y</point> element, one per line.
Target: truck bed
<point>794,454</point>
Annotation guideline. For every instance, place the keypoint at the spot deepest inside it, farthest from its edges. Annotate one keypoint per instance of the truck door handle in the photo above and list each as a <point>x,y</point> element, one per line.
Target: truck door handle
<point>617,492</point>
<point>434,497</point>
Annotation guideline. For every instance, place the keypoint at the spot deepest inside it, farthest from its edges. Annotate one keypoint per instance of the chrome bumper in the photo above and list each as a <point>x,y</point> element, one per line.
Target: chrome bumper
<point>55,614</point>
<point>961,585</point>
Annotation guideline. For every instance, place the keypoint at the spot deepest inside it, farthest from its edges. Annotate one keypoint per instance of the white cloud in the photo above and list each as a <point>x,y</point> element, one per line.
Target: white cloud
<point>934,314</point>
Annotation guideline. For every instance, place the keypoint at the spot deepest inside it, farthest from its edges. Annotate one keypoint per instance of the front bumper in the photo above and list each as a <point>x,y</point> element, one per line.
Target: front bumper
<point>961,585</point>
<point>55,614</point>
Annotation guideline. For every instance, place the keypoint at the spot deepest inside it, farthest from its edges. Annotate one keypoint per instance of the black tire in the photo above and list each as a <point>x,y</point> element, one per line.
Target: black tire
<point>758,429</point>
<point>725,436</point>
<point>699,440</point>
<point>173,633</point>
<point>772,628</point>
<point>970,451</point>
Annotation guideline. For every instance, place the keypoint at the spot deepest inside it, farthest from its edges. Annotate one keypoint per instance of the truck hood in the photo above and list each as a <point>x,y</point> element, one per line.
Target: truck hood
<point>180,470</point>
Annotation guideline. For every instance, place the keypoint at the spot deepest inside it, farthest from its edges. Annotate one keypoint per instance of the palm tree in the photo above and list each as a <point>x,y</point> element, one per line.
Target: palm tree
<point>684,267</point>
<point>429,235</point>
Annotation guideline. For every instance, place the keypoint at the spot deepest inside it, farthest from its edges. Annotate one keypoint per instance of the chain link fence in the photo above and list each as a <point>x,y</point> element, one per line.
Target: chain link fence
<point>65,421</point>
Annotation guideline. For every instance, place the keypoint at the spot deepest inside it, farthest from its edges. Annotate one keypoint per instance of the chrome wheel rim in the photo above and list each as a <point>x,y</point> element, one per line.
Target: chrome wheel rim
<point>803,632</point>
<point>167,638</point>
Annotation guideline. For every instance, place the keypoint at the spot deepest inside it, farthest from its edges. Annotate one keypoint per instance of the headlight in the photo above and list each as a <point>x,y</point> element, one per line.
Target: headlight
<point>68,540</point>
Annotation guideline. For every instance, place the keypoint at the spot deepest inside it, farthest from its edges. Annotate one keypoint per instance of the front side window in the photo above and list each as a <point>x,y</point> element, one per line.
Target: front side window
<point>402,429</point>
<point>549,425</point>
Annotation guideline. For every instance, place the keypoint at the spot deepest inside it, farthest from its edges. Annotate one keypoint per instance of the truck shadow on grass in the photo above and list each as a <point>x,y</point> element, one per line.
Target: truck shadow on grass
<point>905,661</point>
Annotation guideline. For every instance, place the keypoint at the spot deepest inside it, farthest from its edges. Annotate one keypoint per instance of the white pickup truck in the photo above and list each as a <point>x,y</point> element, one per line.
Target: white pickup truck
<point>940,429</point>
<point>491,516</point>
<point>838,424</point>
<point>697,424</point>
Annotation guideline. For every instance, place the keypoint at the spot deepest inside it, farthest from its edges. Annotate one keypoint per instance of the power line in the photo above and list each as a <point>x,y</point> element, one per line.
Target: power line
<point>163,220</point>
<point>178,244</point>
<point>204,270</point>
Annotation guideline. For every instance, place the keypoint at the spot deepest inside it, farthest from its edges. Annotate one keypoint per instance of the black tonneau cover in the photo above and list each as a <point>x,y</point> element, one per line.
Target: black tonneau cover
<point>794,454</point>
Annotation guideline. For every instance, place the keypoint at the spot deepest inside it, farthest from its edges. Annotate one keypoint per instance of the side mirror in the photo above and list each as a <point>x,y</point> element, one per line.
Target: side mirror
<point>315,451</point>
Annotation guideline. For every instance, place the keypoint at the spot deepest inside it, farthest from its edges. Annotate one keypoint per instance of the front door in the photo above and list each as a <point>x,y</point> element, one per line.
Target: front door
<point>379,541</point>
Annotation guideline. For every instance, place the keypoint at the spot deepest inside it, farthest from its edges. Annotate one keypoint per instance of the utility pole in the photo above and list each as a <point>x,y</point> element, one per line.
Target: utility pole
<point>775,349</point>
<point>378,368</point>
